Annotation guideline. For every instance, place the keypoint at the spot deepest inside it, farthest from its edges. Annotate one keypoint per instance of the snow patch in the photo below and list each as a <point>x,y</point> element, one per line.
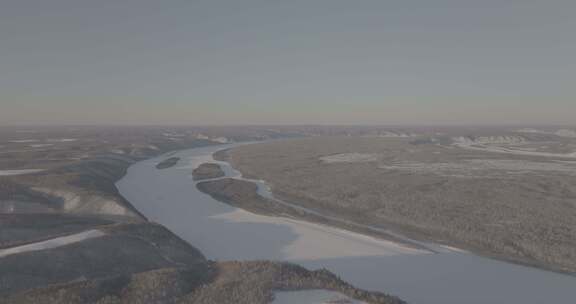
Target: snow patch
<point>19,141</point>
<point>566,133</point>
<point>496,149</point>
<point>19,172</point>
<point>52,243</point>
<point>561,132</point>
<point>349,158</point>
<point>222,140</point>
<point>499,139</point>
<point>394,134</point>
<point>531,130</point>
<point>171,134</point>
<point>26,131</point>
<point>61,139</point>
<point>41,145</point>
<point>82,204</point>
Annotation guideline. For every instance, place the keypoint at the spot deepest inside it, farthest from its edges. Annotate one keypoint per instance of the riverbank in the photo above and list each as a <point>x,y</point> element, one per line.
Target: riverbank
<point>169,197</point>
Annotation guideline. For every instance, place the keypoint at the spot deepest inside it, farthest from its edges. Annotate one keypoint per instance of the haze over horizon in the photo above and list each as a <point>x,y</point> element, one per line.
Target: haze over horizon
<point>294,62</point>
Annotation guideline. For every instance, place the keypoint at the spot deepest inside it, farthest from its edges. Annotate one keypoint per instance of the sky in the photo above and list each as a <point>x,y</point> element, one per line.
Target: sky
<point>216,62</point>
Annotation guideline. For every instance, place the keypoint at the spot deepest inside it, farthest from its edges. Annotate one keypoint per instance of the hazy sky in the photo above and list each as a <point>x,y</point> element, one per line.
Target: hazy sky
<point>287,62</point>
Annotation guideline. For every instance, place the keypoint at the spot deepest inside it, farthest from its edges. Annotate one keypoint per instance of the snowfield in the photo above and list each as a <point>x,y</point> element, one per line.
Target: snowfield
<point>500,139</point>
<point>61,140</point>
<point>349,158</point>
<point>19,172</point>
<point>52,243</point>
<point>222,232</point>
<point>21,141</point>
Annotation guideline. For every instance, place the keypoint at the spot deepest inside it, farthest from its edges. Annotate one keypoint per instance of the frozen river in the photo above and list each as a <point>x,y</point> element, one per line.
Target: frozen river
<point>221,232</point>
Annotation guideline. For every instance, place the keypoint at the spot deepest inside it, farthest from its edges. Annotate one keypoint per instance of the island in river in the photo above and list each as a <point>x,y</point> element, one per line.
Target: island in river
<point>207,171</point>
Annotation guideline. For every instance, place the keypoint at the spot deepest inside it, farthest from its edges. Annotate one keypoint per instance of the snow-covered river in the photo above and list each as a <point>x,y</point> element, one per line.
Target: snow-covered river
<point>222,232</point>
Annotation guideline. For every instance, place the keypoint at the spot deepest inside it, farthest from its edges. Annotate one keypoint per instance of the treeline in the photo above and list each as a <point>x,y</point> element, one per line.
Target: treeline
<point>224,283</point>
<point>255,283</point>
